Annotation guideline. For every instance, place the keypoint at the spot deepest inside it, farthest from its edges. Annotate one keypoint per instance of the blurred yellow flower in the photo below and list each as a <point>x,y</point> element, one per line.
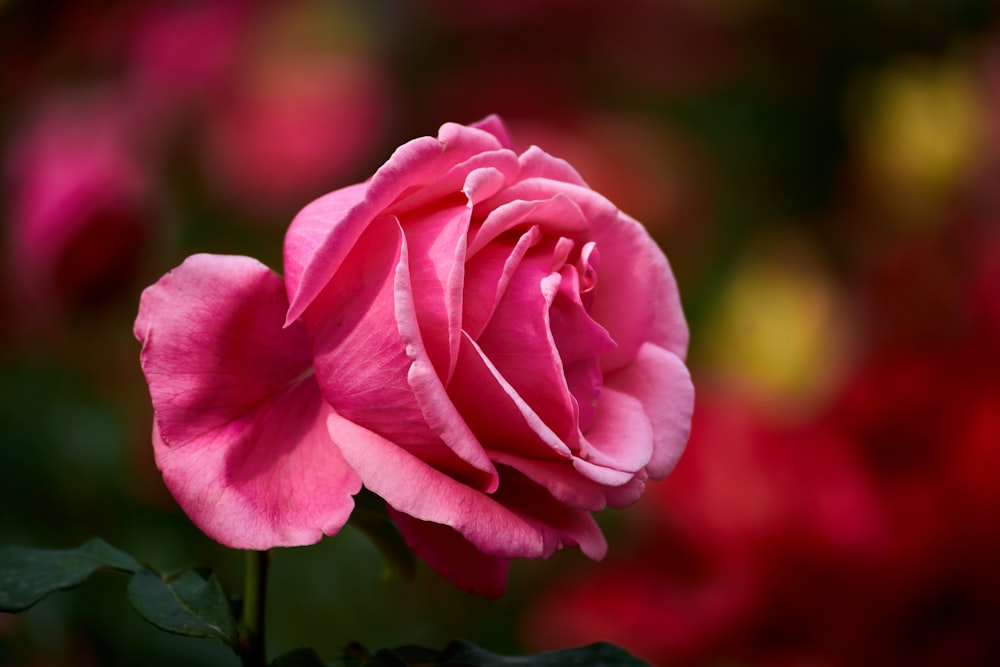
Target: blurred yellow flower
<point>918,127</point>
<point>779,328</point>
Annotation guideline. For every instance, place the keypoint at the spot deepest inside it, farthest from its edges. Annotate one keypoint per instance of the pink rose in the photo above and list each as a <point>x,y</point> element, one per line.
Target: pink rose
<point>477,336</point>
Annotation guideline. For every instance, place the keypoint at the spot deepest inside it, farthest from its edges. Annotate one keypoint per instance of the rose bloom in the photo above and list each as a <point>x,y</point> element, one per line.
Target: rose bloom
<point>475,335</point>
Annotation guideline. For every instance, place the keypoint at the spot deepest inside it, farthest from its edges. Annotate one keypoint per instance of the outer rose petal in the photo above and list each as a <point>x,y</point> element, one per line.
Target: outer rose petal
<point>412,167</point>
<point>415,488</point>
<point>453,557</point>
<point>632,263</point>
<point>319,219</point>
<point>662,384</point>
<point>239,422</point>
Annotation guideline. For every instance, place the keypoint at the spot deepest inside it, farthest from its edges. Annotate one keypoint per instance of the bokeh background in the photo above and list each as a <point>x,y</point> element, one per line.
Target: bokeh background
<point>824,176</point>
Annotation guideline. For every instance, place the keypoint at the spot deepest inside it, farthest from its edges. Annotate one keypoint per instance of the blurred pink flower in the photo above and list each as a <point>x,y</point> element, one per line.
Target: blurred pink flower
<point>182,52</point>
<point>79,203</point>
<point>300,111</point>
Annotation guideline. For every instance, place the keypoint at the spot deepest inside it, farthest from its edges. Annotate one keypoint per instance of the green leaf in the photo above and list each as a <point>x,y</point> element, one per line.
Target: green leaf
<point>29,575</point>
<point>186,604</point>
<point>371,518</point>
<point>462,653</point>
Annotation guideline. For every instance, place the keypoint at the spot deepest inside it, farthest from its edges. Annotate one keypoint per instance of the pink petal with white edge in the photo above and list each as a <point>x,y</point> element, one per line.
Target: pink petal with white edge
<point>415,488</point>
<point>661,382</point>
<point>239,422</point>
<point>636,299</point>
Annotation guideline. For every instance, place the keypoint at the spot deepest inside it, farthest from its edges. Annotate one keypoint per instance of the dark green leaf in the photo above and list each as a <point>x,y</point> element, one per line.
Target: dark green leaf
<point>185,604</point>
<point>461,653</point>
<point>29,575</point>
<point>372,519</point>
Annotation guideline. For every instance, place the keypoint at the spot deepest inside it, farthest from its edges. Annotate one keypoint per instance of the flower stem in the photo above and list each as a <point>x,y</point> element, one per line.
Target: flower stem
<point>252,652</point>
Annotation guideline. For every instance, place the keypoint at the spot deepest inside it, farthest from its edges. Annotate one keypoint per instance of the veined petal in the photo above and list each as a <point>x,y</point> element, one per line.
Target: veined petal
<point>327,216</point>
<point>272,479</point>
<point>239,423</point>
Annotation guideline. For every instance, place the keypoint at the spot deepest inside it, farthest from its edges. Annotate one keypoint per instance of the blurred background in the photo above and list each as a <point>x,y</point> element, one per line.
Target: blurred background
<point>824,177</point>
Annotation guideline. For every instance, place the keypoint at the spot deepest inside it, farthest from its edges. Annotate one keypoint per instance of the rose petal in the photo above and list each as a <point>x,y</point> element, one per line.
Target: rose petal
<point>561,526</point>
<point>497,414</point>
<point>436,243</point>
<point>319,219</point>
<point>361,359</point>
<point>239,423</point>
<point>580,341</point>
<point>413,487</point>
<point>595,209</point>
<point>518,342</point>
<point>627,494</point>
<point>621,437</point>
<point>496,127</point>
<point>536,163</point>
<point>557,215</point>
<point>455,179</point>
<point>632,264</point>
<point>414,165</point>
<point>453,557</point>
<point>487,276</point>
<point>438,411</point>
<point>559,478</point>
<point>661,382</point>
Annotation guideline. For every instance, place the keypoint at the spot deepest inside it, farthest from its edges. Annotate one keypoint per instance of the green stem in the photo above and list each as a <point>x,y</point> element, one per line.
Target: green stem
<point>252,651</point>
